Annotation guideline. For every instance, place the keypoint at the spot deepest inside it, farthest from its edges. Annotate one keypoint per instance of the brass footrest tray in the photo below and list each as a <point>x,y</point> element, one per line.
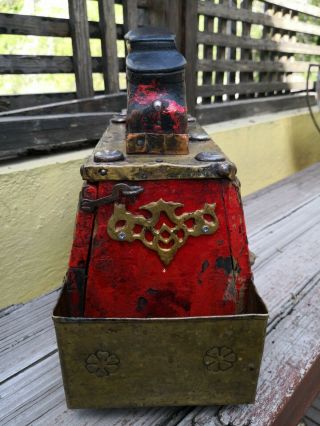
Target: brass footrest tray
<point>124,362</point>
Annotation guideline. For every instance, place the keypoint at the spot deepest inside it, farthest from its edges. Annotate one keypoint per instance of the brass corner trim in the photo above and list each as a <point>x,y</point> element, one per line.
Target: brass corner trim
<point>155,143</point>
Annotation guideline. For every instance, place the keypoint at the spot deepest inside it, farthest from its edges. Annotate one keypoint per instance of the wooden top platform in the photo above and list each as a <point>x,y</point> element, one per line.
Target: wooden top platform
<point>284,229</point>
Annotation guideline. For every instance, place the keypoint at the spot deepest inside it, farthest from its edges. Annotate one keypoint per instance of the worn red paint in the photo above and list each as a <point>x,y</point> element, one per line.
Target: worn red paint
<point>143,117</point>
<point>208,276</point>
<point>75,278</point>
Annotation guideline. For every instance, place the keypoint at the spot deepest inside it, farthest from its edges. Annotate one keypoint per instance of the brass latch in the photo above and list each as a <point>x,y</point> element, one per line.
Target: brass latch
<point>119,190</point>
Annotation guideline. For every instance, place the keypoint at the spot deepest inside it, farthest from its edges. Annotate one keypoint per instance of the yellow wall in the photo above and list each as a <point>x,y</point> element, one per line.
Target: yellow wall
<point>39,197</point>
<point>37,210</point>
<point>268,148</point>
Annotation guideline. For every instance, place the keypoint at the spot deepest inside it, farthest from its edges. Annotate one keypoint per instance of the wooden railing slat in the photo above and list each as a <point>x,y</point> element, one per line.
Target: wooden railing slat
<point>250,66</point>
<point>259,44</point>
<point>130,15</point>
<point>33,25</point>
<point>225,111</point>
<point>81,49</point>
<point>246,54</point>
<point>109,45</point>
<point>207,53</point>
<point>106,103</point>
<point>297,6</point>
<point>190,52</point>
<point>221,51</point>
<point>43,64</point>
<point>43,26</point>
<point>246,88</point>
<point>210,9</point>
<point>231,53</point>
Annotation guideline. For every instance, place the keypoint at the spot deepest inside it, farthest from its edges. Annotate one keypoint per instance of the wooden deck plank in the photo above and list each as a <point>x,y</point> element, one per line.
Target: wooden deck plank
<point>36,397</point>
<point>266,205</point>
<point>27,335</point>
<point>282,369</point>
<point>283,229</point>
<point>314,415</point>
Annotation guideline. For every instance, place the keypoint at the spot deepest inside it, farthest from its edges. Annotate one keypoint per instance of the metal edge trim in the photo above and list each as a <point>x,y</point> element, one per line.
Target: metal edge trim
<point>262,316</point>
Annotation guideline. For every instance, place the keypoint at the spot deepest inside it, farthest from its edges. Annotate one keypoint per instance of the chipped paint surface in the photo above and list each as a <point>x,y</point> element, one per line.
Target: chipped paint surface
<point>206,277</point>
<point>170,117</point>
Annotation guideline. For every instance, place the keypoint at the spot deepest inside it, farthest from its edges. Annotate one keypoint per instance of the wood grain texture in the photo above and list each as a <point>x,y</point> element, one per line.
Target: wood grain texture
<point>246,55</point>
<point>109,45</point>
<point>240,14</point>
<point>208,54</point>
<point>283,224</point>
<point>47,64</point>
<point>190,52</point>
<point>130,15</point>
<point>252,87</point>
<point>221,51</point>
<point>249,65</point>
<point>11,23</point>
<point>21,135</point>
<point>81,49</point>
<point>259,44</point>
<point>297,6</point>
<point>107,103</point>
<point>208,114</point>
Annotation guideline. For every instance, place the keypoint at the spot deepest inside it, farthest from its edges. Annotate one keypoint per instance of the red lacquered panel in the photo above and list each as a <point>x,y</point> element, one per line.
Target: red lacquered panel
<point>127,279</point>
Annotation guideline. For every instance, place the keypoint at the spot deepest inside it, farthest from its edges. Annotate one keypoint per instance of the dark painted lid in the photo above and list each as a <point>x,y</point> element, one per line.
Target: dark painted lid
<point>153,50</point>
<point>149,34</point>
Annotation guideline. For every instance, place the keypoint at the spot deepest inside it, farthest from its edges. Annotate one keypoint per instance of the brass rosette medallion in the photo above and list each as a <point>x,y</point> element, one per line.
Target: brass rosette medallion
<point>162,238</point>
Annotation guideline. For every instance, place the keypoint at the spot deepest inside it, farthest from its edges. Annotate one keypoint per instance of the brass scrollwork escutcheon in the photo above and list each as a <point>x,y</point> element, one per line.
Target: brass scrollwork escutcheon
<point>164,239</point>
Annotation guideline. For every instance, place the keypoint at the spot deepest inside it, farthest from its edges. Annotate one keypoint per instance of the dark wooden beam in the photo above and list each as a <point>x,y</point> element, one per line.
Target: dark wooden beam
<point>103,103</point>
<point>22,135</point>
<point>216,113</point>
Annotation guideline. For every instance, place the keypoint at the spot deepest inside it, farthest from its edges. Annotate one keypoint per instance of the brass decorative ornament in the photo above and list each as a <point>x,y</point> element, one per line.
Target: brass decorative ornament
<point>219,358</point>
<point>165,240</point>
<point>102,363</point>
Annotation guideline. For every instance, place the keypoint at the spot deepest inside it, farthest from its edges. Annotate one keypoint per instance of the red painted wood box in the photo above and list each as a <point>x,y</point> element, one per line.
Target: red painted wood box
<point>160,235</point>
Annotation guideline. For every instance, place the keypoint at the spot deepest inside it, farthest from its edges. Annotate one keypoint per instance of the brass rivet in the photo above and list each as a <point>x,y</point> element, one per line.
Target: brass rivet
<point>140,142</point>
<point>122,235</point>
<point>210,156</point>
<point>106,156</point>
<point>205,229</point>
<point>200,137</point>
<point>119,119</point>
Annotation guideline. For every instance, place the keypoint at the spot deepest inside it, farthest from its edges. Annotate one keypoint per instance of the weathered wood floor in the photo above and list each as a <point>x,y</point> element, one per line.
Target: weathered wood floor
<point>312,416</point>
<point>284,231</point>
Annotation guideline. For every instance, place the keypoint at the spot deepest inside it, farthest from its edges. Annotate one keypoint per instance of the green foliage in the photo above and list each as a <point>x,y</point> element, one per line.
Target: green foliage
<point>10,6</point>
